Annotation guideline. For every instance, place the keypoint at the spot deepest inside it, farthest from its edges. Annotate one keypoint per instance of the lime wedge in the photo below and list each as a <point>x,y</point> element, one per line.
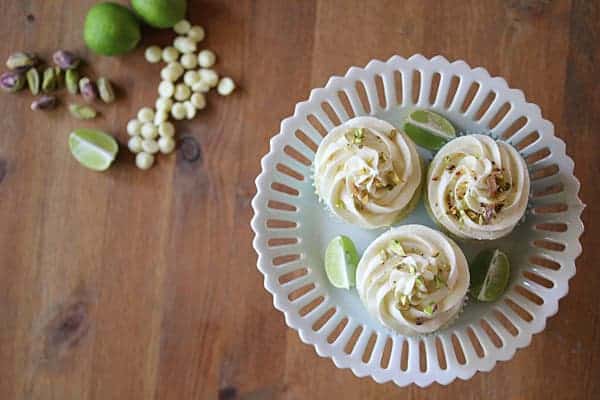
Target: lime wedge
<point>428,129</point>
<point>93,149</point>
<point>490,273</point>
<point>341,259</point>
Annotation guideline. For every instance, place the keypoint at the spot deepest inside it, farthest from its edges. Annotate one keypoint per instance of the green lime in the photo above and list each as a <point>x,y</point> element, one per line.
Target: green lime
<point>341,259</point>
<point>160,13</point>
<point>111,29</point>
<point>93,149</point>
<point>428,129</point>
<point>490,273</point>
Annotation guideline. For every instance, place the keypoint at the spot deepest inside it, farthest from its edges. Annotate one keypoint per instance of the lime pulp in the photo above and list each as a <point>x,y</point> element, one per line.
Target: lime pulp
<point>94,149</point>
<point>428,129</point>
<point>341,259</point>
<point>490,273</point>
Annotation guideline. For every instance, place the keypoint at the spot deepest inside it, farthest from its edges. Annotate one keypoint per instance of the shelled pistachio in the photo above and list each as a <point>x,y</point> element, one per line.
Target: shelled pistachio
<point>87,89</point>
<point>21,60</point>
<point>49,81</point>
<point>66,60</point>
<point>33,81</point>
<point>72,81</point>
<point>12,81</point>
<point>80,111</point>
<point>44,103</point>
<point>105,90</point>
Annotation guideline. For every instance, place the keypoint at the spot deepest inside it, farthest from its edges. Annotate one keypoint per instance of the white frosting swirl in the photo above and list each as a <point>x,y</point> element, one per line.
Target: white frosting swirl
<point>368,172</point>
<point>478,188</point>
<point>413,279</point>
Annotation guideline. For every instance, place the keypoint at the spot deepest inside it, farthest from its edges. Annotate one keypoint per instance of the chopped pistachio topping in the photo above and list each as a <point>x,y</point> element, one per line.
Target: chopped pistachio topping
<point>438,282</point>
<point>393,176</point>
<point>364,199</point>
<point>403,302</point>
<point>430,308</point>
<point>393,134</point>
<point>396,247</point>
<point>355,135</point>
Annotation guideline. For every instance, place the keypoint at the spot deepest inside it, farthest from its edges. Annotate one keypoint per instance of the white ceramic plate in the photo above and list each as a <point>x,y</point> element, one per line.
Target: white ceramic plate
<point>292,228</point>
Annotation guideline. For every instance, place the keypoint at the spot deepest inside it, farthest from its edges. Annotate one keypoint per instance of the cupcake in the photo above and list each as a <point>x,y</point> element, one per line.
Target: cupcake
<point>368,172</point>
<point>477,188</point>
<point>413,279</point>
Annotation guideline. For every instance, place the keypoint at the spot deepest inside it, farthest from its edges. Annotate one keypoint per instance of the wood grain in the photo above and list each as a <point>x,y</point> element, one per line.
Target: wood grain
<point>142,285</point>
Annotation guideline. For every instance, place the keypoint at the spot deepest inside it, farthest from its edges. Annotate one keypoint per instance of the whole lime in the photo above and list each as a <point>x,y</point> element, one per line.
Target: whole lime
<point>160,13</point>
<point>111,29</point>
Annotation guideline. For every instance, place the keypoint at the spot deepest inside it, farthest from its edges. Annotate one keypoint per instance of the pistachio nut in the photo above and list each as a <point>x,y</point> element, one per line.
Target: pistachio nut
<point>87,89</point>
<point>105,89</point>
<point>66,60</point>
<point>21,60</point>
<point>58,74</point>
<point>82,111</point>
<point>44,103</point>
<point>49,80</point>
<point>33,81</point>
<point>72,81</point>
<point>12,81</point>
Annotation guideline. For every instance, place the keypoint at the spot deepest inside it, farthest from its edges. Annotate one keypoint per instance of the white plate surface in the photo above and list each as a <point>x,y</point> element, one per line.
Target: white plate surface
<point>292,229</point>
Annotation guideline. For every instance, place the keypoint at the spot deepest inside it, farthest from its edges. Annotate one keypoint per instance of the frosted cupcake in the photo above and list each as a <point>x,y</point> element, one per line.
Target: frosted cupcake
<point>368,172</point>
<point>413,279</point>
<point>477,188</point>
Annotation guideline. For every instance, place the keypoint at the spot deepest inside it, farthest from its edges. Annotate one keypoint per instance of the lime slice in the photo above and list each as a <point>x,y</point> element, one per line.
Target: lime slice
<point>428,129</point>
<point>490,273</point>
<point>341,259</point>
<point>93,149</point>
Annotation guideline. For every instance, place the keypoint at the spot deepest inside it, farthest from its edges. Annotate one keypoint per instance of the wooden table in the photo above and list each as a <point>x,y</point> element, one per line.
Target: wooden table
<point>142,285</point>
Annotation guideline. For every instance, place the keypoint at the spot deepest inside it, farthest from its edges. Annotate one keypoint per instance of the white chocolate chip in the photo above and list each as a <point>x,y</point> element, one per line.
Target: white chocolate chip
<point>226,86</point>
<point>166,129</point>
<point>182,27</point>
<point>191,77</point>
<point>184,44</point>
<point>149,130</point>
<point>133,127</point>
<point>166,144</point>
<point>166,89</point>
<point>163,103</point>
<point>189,61</point>
<point>144,160</point>
<point>160,117</point>
<point>206,58</point>
<point>153,54</point>
<point>196,33</point>
<point>150,146</point>
<point>201,87</point>
<point>178,111</point>
<point>145,114</point>
<point>182,92</point>
<point>209,76</point>
<point>198,100</point>
<point>170,54</point>
<point>190,110</point>
<point>135,144</point>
